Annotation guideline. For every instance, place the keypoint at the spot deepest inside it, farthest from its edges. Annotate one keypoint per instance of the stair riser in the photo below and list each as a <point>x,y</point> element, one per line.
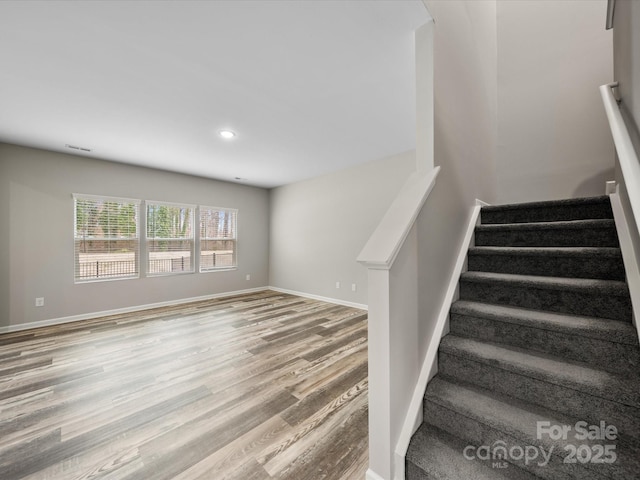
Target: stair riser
<point>439,457</point>
<point>479,434</point>
<point>554,214</point>
<point>603,268</point>
<point>611,356</point>
<point>413,472</point>
<point>600,237</point>
<point>577,404</point>
<point>587,302</point>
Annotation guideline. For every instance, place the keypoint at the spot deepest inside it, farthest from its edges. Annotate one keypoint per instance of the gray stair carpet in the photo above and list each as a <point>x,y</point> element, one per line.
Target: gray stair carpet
<point>539,376</point>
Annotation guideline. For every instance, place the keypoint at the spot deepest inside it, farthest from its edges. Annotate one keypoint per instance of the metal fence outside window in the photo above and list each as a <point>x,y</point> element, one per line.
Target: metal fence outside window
<point>127,268</point>
<point>106,269</point>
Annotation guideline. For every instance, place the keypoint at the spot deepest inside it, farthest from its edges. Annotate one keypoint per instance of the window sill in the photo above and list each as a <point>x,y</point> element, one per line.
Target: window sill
<point>221,269</point>
<point>100,280</point>
<point>169,274</point>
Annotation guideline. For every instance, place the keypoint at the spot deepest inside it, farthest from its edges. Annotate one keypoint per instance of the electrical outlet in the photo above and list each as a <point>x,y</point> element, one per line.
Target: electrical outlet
<point>39,301</point>
<point>248,277</point>
<point>337,284</point>
<point>354,287</point>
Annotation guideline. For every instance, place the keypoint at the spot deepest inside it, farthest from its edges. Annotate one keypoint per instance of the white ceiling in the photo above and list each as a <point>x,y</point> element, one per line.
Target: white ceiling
<point>310,86</point>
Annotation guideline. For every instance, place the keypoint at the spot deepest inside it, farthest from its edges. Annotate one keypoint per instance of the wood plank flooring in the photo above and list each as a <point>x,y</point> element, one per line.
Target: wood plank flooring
<point>253,387</point>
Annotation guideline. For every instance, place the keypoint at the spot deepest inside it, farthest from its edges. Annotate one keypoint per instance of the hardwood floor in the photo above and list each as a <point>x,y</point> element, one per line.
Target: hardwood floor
<point>252,387</point>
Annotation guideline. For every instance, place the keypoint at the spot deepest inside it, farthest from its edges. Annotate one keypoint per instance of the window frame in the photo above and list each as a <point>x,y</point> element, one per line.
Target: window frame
<point>147,239</point>
<point>137,239</point>
<point>201,238</point>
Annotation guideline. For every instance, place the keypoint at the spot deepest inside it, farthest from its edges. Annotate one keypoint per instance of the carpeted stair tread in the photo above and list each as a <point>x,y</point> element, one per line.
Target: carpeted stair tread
<point>577,296</point>
<point>592,327</point>
<point>572,233</point>
<point>514,417</point>
<point>560,225</point>
<point>563,202</point>
<point>609,345</point>
<point>581,252</point>
<point>523,381</point>
<point>434,454</point>
<point>608,287</point>
<point>482,417</point>
<point>550,210</point>
<point>579,262</point>
<point>547,368</point>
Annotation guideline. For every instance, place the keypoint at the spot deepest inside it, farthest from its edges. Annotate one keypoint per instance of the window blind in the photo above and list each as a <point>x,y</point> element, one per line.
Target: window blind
<point>106,238</point>
<point>170,238</point>
<point>218,238</point>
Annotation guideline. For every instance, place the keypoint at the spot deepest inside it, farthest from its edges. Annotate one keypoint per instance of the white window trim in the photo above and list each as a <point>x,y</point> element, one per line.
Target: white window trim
<point>194,227</point>
<point>107,198</point>
<point>235,239</point>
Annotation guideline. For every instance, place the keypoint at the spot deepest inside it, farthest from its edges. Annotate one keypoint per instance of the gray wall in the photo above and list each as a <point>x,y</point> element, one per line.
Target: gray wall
<point>626,42</point>
<point>626,48</point>
<point>527,73</point>
<point>553,137</point>
<point>465,135</point>
<point>319,226</point>
<point>36,239</point>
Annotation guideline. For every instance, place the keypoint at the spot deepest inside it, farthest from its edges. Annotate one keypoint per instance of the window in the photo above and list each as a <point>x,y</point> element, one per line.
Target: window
<point>106,237</point>
<point>217,238</point>
<point>170,238</point>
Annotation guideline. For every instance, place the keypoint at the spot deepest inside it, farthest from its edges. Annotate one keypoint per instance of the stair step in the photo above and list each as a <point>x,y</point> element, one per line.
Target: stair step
<point>579,262</point>
<point>541,332</point>
<point>574,233</point>
<point>607,344</point>
<point>481,417</point>
<point>548,211</point>
<point>434,454</point>
<point>577,296</point>
<point>568,387</point>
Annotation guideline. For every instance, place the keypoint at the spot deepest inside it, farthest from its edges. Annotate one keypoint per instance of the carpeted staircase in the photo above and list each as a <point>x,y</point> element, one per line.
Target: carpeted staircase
<point>542,332</point>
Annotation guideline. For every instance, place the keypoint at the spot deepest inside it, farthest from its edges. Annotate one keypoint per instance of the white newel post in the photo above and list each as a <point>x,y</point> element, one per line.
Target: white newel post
<point>393,354</point>
<point>380,460</point>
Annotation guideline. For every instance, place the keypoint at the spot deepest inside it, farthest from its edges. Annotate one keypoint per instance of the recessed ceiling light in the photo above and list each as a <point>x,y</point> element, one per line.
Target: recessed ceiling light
<point>228,134</point>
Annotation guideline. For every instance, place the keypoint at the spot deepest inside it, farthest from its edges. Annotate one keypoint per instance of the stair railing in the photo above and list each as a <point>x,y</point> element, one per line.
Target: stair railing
<point>627,156</point>
<point>391,259</point>
<point>611,6</point>
<point>625,202</point>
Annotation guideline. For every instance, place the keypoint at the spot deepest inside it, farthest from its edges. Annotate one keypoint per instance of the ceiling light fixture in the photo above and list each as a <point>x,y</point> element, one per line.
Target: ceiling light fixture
<point>227,134</point>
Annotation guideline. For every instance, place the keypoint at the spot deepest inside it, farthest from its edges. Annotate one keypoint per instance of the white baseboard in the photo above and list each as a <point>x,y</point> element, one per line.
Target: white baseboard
<point>629,258</point>
<point>360,306</point>
<point>429,365</point>
<point>371,475</point>
<point>136,308</point>
<point>117,311</point>
<point>399,471</point>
